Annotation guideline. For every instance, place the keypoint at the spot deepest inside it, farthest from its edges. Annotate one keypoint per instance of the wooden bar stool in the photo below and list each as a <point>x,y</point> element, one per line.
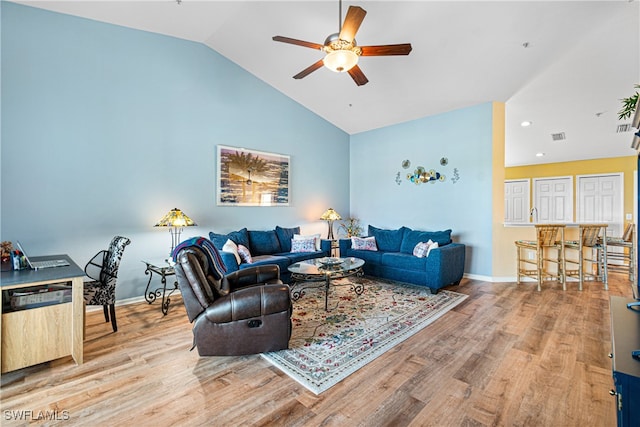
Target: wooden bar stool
<point>624,261</point>
<point>590,238</point>
<point>548,248</point>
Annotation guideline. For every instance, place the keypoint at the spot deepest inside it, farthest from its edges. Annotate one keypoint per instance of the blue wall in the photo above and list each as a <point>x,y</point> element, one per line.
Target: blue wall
<point>464,137</point>
<point>106,128</point>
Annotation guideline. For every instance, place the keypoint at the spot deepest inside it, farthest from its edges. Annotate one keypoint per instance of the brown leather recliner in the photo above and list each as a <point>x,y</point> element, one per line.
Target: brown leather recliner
<point>247,312</point>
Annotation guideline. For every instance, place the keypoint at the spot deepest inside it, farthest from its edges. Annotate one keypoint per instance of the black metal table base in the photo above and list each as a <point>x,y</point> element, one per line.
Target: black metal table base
<point>151,296</point>
<point>322,281</point>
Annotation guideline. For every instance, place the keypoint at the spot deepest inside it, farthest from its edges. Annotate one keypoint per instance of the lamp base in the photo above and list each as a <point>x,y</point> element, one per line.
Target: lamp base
<point>330,235</point>
<point>175,238</point>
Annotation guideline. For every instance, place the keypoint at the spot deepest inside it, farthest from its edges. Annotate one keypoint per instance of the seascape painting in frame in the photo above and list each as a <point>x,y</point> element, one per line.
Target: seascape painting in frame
<point>252,178</point>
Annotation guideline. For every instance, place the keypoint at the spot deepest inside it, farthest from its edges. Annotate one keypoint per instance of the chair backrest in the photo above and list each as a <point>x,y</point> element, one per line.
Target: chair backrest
<point>548,234</point>
<point>196,283</point>
<point>627,236</point>
<point>112,258</point>
<point>590,234</point>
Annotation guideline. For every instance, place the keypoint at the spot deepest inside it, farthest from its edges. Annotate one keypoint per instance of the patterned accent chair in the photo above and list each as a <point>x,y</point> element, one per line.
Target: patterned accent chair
<point>245,312</point>
<point>103,270</point>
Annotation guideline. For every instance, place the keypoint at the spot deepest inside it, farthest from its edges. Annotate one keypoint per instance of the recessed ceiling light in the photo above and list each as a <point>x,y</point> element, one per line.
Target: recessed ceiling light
<point>539,154</point>
<point>526,123</point>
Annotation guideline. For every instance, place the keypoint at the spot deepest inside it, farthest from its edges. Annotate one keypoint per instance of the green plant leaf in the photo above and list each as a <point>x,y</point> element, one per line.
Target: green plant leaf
<point>628,105</point>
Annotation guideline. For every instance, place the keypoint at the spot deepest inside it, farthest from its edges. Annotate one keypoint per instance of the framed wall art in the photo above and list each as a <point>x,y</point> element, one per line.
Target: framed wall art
<point>252,178</point>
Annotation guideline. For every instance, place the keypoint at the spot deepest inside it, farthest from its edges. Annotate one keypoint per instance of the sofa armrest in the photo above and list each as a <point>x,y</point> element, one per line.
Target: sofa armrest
<point>446,263</point>
<point>344,245</point>
<point>325,246</point>
<point>229,261</point>
<point>249,302</point>
<point>269,273</point>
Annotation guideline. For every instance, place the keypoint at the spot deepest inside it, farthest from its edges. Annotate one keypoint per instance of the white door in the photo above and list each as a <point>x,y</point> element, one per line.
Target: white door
<point>600,199</point>
<point>516,201</point>
<point>553,199</point>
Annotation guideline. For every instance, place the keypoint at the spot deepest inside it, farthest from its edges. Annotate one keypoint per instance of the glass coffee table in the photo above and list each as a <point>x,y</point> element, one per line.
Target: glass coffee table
<point>318,272</point>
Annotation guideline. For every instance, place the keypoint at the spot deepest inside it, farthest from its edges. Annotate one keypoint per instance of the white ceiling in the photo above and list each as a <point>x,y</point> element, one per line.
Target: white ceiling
<point>582,58</point>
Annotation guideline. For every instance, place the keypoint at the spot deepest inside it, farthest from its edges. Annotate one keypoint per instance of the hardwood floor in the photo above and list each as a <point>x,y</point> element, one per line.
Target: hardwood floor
<point>506,356</point>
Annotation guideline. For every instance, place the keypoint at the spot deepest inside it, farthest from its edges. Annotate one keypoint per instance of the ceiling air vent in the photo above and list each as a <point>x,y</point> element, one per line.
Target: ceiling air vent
<point>626,127</point>
<point>560,136</point>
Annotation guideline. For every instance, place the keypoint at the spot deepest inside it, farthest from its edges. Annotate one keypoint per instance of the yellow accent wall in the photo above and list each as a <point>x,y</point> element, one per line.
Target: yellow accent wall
<point>504,253</point>
<point>499,233</point>
<point>503,249</point>
<point>627,165</point>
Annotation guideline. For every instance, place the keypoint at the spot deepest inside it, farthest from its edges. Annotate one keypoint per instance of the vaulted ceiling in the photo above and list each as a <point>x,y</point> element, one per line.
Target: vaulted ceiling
<point>562,65</point>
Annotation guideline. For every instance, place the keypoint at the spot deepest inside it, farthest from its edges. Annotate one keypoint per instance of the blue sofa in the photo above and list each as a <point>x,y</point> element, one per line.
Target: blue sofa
<point>266,247</point>
<point>394,258</point>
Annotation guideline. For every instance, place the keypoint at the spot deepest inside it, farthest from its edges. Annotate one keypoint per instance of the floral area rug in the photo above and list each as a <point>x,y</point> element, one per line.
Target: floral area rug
<point>326,347</point>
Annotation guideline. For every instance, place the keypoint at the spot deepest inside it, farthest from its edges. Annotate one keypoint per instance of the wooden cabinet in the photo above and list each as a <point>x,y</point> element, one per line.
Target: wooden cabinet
<point>38,335</point>
<point>625,337</point>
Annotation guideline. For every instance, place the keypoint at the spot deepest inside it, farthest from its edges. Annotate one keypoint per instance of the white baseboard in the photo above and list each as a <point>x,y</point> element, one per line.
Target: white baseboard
<point>127,301</point>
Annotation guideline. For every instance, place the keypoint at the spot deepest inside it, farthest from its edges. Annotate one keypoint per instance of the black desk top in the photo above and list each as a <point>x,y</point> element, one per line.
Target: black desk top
<point>18,277</point>
<point>626,336</point>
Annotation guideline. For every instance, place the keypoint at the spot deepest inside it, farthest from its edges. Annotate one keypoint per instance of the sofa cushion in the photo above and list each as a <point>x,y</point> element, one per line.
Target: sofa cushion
<point>263,242</point>
<point>403,261</point>
<point>240,237</point>
<point>294,257</point>
<point>413,237</point>
<point>369,257</point>
<point>280,261</point>
<point>388,240</point>
<point>284,237</point>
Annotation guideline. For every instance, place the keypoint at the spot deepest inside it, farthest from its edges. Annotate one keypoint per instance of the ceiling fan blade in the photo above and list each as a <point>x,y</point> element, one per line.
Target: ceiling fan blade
<point>310,69</point>
<point>358,76</point>
<point>297,42</point>
<point>387,49</point>
<point>355,16</point>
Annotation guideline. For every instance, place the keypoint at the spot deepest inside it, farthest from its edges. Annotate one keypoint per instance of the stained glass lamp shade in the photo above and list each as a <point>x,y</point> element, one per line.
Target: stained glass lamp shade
<point>330,215</point>
<point>176,220</point>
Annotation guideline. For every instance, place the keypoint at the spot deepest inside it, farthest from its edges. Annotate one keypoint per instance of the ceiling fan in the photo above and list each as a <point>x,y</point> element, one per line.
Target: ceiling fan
<point>342,52</point>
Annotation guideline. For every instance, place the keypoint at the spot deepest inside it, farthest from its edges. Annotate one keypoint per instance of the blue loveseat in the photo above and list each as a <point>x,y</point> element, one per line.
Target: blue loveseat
<point>266,247</point>
<point>394,258</point>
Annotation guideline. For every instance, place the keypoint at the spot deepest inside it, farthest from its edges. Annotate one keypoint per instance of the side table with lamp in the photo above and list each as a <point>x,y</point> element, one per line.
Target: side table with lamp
<point>176,220</point>
<point>330,216</point>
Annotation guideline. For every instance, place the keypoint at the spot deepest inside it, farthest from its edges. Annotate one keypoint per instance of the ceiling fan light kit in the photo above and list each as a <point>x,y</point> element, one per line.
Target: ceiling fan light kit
<point>342,53</point>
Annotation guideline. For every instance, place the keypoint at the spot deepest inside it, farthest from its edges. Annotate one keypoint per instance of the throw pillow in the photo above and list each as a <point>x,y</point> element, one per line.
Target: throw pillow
<point>364,243</point>
<point>311,236</point>
<point>432,247</point>
<point>421,249</point>
<point>244,253</point>
<point>230,246</point>
<point>303,245</point>
<point>285,235</point>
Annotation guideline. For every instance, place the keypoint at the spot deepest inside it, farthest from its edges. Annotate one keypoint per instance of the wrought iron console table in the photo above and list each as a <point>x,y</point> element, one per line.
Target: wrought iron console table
<point>164,269</point>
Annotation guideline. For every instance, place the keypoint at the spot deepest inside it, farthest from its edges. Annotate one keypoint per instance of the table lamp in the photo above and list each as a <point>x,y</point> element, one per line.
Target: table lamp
<point>176,219</point>
<point>330,215</point>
